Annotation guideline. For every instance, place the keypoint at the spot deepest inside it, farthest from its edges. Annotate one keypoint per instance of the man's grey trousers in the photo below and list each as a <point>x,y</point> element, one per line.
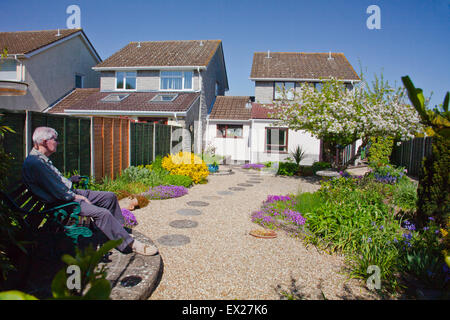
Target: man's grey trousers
<point>107,215</point>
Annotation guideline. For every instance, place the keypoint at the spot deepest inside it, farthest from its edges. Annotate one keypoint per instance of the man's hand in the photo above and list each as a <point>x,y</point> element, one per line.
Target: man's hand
<point>82,198</point>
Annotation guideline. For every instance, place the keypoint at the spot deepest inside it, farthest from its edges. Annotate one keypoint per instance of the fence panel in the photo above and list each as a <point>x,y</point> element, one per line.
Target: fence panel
<point>14,143</point>
<point>141,143</point>
<point>110,147</point>
<point>410,154</point>
<point>73,152</point>
<point>162,140</point>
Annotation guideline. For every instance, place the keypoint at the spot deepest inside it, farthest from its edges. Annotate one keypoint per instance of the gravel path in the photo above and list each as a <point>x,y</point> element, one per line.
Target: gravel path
<point>212,255</point>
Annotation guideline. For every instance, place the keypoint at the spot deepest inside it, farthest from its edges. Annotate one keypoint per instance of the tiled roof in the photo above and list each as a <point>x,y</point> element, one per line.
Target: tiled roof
<point>230,108</point>
<point>260,112</point>
<point>300,65</point>
<point>233,108</point>
<point>22,42</point>
<point>91,99</point>
<point>163,53</point>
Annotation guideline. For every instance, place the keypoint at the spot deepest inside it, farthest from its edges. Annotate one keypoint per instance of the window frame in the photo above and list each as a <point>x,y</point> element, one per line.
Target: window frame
<point>82,80</point>
<point>124,80</point>
<point>284,84</point>
<point>266,149</point>
<point>226,125</point>
<point>183,80</point>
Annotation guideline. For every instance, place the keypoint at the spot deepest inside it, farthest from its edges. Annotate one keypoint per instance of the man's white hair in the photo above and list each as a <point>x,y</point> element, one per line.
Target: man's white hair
<point>43,133</point>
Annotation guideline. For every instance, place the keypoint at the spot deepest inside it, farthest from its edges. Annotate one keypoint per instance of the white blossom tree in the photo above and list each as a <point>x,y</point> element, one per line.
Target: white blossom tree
<point>340,116</point>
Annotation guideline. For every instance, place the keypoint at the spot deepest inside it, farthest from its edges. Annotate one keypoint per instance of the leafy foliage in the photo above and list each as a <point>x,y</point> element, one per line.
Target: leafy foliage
<point>434,179</point>
<point>380,150</point>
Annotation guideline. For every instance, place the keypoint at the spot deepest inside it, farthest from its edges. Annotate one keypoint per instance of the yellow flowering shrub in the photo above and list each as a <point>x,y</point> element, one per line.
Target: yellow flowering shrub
<point>186,164</point>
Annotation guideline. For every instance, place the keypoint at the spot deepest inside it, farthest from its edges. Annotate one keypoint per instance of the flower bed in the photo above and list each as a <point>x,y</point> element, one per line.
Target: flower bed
<point>166,192</point>
<point>254,166</point>
<point>275,212</point>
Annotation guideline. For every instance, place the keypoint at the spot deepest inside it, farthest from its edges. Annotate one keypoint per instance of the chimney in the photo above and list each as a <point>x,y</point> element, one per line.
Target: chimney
<point>268,54</point>
<point>58,34</point>
<point>201,43</point>
<point>139,44</point>
<point>329,56</point>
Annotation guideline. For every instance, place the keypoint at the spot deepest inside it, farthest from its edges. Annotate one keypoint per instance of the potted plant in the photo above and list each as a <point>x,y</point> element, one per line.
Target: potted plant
<point>214,167</point>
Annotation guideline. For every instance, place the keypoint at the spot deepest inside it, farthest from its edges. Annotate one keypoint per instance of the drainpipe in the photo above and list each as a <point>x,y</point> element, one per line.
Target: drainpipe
<point>21,67</point>
<point>200,129</point>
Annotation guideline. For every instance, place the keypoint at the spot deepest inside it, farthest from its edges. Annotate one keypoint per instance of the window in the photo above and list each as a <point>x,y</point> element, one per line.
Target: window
<point>79,81</point>
<point>114,97</point>
<point>229,130</point>
<point>8,69</point>
<point>281,87</point>
<point>176,80</point>
<point>126,80</point>
<point>318,86</point>
<point>276,140</point>
<point>164,98</point>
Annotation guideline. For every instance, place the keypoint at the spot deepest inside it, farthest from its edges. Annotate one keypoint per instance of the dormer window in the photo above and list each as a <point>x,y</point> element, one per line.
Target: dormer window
<point>125,80</point>
<point>115,97</point>
<point>176,80</point>
<point>164,97</point>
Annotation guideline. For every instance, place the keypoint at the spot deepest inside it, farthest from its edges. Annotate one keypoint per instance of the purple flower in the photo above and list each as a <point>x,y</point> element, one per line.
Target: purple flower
<point>407,236</point>
<point>129,218</point>
<point>166,192</point>
<point>431,218</point>
<point>256,166</point>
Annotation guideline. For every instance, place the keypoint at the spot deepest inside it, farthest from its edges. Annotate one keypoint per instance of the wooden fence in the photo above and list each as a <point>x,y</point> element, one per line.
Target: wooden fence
<point>410,154</point>
<point>94,146</point>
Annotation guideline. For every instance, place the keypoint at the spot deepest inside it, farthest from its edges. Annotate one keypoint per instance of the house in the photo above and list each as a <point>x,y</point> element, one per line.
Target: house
<point>169,82</point>
<point>47,64</point>
<point>240,127</point>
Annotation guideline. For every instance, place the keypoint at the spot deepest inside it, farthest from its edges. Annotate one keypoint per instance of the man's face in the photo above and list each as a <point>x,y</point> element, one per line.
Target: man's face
<point>51,145</point>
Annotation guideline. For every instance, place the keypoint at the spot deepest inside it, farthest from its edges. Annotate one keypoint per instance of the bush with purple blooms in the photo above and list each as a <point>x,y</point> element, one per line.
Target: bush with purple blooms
<point>276,211</point>
<point>255,166</point>
<point>165,192</point>
<point>130,219</point>
<point>388,174</point>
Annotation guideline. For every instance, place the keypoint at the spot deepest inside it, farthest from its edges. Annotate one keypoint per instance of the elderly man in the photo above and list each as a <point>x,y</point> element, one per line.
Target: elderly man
<point>46,182</point>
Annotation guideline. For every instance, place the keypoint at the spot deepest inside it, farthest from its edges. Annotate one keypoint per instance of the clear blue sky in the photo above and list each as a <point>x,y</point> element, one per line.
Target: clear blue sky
<point>411,41</point>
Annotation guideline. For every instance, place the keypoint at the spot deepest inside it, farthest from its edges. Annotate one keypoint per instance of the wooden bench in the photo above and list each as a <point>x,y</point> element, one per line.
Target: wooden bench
<point>39,216</point>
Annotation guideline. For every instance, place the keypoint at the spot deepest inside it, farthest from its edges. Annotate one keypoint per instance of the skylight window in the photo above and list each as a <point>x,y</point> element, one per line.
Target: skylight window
<point>164,97</point>
<point>115,97</point>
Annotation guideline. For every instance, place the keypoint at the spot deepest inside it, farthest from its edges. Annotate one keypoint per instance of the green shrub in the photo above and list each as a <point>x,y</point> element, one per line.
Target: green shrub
<point>287,169</point>
<point>178,180</point>
<point>405,194</point>
<point>380,149</point>
<point>320,165</point>
<point>434,183</point>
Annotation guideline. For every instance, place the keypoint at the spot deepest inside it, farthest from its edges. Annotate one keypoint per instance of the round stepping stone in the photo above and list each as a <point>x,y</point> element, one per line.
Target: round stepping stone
<point>181,224</point>
<point>174,240</point>
<point>189,212</point>
<point>236,189</point>
<point>253,181</point>
<point>197,203</point>
<point>212,197</point>
<point>224,193</point>
<point>245,184</point>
